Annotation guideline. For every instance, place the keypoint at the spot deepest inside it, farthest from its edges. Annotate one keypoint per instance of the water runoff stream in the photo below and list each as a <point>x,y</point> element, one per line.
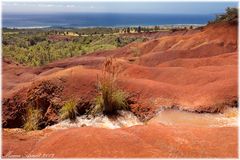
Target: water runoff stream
<point>168,117</point>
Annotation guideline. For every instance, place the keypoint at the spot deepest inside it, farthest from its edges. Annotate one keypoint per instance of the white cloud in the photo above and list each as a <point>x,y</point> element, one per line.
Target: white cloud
<point>70,6</point>
<point>50,5</point>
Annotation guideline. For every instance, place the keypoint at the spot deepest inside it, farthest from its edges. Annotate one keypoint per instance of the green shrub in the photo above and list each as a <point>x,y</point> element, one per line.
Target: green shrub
<point>109,98</point>
<point>32,119</point>
<point>69,110</point>
<point>230,16</point>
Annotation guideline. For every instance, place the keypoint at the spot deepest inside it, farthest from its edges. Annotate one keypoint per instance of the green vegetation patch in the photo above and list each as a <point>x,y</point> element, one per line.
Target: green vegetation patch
<point>231,16</point>
<point>36,47</point>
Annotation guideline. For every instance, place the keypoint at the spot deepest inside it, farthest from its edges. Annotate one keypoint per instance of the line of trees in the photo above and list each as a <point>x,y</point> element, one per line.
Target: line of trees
<point>230,16</point>
<point>139,29</point>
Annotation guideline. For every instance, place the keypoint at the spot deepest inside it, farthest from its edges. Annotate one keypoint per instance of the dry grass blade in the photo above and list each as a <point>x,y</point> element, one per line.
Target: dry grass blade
<point>32,119</point>
<point>69,110</point>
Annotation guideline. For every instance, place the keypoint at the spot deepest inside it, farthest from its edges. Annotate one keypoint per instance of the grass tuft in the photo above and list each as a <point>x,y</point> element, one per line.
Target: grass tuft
<point>109,98</point>
<point>119,98</point>
<point>69,110</point>
<point>32,119</point>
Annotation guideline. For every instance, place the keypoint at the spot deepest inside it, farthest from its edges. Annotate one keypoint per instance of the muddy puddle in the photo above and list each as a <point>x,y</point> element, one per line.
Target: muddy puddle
<point>177,117</point>
<point>167,117</point>
<point>124,119</point>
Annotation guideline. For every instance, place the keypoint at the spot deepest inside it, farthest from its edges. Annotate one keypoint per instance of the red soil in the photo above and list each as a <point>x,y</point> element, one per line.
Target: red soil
<point>193,71</point>
<point>149,141</point>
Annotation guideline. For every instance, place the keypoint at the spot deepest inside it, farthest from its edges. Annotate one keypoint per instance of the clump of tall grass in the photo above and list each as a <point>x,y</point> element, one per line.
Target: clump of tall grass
<point>32,120</point>
<point>110,98</point>
<point>69,110</point>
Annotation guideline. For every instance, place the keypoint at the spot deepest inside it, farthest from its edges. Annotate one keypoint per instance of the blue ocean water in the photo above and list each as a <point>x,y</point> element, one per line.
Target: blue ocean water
<point>100,20</point>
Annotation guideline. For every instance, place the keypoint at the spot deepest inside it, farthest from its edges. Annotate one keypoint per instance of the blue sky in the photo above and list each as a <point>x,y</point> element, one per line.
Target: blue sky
<point>117,7</point>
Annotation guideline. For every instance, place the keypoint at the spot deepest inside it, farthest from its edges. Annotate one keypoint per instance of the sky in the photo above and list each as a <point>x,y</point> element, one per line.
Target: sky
<point>116,7</point>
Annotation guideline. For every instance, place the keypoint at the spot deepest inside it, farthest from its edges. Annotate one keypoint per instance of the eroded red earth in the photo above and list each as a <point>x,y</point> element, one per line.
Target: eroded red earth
<point>194,71</point>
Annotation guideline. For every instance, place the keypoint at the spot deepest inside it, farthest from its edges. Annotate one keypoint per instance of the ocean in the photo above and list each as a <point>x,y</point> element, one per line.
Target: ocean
<point>78,20</point>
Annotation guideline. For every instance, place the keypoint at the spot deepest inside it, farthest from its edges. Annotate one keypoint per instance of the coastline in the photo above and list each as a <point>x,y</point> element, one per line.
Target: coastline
<point>166,26</point>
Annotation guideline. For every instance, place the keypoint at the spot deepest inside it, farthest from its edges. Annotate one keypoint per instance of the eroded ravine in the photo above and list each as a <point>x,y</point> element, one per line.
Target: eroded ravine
<point>180,130</point>
<point>123,119</point>
<point>165,116</point>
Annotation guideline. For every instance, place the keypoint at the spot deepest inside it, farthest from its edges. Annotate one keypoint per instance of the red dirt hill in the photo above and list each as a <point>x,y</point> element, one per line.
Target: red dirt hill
<point>194,71</point>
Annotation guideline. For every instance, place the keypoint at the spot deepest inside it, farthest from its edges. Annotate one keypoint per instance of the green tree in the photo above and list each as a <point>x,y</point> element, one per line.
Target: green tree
<point>139,29</point>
